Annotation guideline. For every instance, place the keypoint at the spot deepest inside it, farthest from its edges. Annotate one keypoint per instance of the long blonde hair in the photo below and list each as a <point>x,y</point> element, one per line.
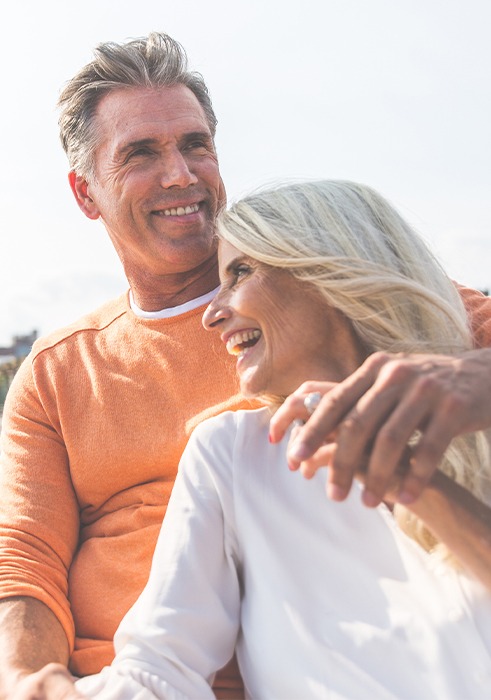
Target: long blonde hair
<point>349,243</point>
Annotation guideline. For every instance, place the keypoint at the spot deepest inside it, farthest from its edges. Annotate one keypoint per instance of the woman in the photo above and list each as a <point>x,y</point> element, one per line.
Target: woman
<point>321,599</point>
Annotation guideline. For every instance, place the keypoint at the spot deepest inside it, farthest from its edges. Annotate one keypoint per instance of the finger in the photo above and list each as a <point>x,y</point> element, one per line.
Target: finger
<point>356,433</point>
<point>331,410</point>
<point>416,411</point>
<point>322,458</point>
<point>293,408</point>
<point>335,405</point>
<point>388,448</point>
<point>380,427</point>
<point>429,451</point>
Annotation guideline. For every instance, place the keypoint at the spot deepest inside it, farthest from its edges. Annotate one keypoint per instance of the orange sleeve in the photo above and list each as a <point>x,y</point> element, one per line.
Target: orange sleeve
<point>478,307</point>
<point>38,511</point>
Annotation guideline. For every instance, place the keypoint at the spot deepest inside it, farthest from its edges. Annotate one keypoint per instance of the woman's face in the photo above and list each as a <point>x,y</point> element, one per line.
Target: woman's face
<point>281,332</point>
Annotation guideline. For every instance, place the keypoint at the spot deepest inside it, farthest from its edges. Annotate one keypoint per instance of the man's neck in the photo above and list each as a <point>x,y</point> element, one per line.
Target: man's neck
<point>153,293</point>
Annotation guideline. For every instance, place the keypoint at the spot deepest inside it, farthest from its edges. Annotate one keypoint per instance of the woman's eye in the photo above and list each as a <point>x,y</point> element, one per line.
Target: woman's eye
<point>241,271</point>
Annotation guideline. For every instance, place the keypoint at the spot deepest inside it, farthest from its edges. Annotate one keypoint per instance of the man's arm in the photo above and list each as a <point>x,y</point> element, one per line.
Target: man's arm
<point>38,535</point>
<point>460,521</point>
<point>381,405</point>
<point>373,413</point>
<point>33,653</point>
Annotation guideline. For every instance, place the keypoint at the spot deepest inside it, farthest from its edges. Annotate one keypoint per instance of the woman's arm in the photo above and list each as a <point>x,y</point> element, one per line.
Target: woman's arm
<point>184,626</point>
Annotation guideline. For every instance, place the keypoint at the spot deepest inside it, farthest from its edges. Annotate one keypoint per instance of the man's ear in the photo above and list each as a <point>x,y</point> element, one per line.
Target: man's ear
<point>80,189</point>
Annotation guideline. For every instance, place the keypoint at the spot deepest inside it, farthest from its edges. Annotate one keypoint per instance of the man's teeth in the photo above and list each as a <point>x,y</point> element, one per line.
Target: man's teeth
<point>180,211</point>
<point>238,342</point>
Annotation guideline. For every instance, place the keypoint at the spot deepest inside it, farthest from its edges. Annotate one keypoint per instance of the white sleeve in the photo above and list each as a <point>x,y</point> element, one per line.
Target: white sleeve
<point>184,626</point>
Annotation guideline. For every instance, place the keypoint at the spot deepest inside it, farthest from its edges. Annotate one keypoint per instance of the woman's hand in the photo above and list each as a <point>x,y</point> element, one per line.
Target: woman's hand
<point>368,419</point>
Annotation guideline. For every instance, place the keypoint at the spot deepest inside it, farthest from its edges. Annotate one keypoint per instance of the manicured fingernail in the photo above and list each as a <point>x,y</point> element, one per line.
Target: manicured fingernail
<point>370,499</point>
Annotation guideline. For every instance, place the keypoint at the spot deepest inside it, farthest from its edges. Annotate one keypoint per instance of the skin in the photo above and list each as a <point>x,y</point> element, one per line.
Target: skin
<point>298,334</point>
<point>169,262</point>
<point>375,411</point>
<point>35,642</point>
<point>156,153</point>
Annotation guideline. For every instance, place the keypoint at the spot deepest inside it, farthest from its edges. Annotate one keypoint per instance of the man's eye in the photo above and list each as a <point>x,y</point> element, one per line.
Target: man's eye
<point>198,145</point>
<point>138,152</point>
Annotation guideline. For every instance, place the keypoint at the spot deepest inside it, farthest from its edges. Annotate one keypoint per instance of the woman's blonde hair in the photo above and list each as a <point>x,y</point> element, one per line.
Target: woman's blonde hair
<point>353,247</point>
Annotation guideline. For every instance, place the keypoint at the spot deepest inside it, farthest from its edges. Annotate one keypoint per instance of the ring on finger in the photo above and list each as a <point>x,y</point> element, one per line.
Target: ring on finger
<point>311,401</point>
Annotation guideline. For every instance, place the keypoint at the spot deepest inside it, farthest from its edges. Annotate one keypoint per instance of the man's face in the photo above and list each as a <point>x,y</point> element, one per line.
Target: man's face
<point>156,186</point>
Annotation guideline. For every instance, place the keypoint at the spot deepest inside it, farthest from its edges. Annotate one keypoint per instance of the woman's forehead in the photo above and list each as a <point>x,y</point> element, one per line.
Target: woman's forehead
<point>226,253</point>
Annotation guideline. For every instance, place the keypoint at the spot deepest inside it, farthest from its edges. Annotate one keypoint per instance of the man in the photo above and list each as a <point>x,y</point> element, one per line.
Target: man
<point>99,413</point>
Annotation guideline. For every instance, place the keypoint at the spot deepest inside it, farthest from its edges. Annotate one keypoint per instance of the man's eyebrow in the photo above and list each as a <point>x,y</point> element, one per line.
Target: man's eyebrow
<point>131,145</point>
<point>191,135</point>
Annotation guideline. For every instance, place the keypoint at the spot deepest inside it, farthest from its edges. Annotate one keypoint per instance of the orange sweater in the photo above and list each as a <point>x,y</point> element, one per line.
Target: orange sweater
<point>93,429</point>
<point>94,426</point>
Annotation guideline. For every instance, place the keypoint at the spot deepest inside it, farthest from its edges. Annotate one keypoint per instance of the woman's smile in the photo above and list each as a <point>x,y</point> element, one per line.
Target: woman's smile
<point>240,341</point>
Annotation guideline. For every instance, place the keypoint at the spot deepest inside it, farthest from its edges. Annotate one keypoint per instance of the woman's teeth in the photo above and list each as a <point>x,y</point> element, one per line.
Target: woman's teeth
<point>238,342</point>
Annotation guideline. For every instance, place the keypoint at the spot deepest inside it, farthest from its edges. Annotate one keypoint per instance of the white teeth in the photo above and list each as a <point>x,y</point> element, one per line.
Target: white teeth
<point>181,211</point>
<point>237,340</point>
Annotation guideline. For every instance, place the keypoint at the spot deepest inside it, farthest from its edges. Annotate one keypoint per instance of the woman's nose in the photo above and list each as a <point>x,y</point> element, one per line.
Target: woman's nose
<point>215,313</point>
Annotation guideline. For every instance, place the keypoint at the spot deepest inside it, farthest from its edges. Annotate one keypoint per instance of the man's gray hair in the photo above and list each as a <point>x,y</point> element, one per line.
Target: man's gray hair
<point>154,61</point>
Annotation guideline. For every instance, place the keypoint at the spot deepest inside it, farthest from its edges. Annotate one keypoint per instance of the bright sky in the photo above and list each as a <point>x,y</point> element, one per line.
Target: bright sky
<point>393,93</point>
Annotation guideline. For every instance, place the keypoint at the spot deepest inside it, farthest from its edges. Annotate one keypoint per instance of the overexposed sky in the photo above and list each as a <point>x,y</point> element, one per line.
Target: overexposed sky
<point>393,93</point>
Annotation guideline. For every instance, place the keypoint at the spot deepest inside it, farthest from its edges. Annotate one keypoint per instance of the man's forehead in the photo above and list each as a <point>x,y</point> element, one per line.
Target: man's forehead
<point>131,114</point>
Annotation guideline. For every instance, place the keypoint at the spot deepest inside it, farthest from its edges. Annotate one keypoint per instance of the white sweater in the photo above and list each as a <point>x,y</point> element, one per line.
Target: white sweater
<point>323,599</point>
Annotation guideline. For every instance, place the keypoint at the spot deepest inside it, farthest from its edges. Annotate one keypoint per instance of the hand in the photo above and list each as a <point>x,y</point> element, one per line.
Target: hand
<point>370,417</point>
<point>52,682</point>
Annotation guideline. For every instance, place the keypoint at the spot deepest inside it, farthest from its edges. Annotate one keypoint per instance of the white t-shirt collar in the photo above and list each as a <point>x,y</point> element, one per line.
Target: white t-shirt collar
<point>173,310</point>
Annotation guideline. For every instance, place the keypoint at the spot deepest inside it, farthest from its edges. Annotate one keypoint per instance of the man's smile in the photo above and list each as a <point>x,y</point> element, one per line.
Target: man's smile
<point>178,211</point>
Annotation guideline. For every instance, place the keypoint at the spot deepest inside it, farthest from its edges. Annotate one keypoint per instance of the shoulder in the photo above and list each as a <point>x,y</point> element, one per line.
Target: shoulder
<point>97,320</point>
<point>478,307</point>
<point>227,440</point>
<point>220,453</point>
<point>231,426</point>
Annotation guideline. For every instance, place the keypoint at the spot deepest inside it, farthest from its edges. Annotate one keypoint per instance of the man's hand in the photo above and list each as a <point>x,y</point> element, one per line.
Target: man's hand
<point>369,418</point>
<point>52,682</point>
<point>33,653</point>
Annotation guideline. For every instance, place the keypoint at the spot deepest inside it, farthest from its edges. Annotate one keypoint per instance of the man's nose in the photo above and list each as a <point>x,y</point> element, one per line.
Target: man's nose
<point>175,171</point>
